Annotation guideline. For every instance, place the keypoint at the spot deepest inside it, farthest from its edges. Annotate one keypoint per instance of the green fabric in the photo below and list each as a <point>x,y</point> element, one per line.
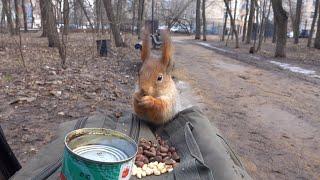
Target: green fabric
<point>203,151</point>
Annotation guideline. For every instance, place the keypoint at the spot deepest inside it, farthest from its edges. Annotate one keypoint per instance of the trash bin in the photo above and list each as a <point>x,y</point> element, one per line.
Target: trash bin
<point>102,47</point>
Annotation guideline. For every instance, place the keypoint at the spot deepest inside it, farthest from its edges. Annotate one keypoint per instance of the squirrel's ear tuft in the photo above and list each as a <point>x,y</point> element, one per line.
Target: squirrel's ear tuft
<point>145,52</point>
<point>166,48</point>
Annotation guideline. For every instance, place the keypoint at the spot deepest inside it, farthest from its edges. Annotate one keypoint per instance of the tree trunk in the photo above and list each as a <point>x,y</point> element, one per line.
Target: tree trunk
<point>250,22</point>
<point>274,35</point>
<point>297,21</point>
<point>65,17</point>
<point>119,13</point>
<point>314,19</point>
<point>244,31</point>
<point>114,28</point>
<point>234,13</point>
<point>198,19</point>
<point>317,40</point>
<point>17,19</point>
<point>263,24</point>
<point>204,30</point>
<point>233,26</point>
<point>24,12</point>
<point>85,13</point>
<point>32,7</point>
<point>224,25</point>
<point>281,18</point>
<point>7,11</point>
<point>133,15</point>
<point>53,36</point>
<point>267,22</point>
<point>140,17</point>
<point>44,18</point>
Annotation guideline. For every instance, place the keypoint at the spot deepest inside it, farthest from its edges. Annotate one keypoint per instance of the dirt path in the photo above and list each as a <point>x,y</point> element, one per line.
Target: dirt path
<point>271,119</point>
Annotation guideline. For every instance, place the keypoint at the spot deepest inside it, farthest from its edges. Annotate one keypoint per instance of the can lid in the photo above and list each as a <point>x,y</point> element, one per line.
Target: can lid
<point>101,153</point>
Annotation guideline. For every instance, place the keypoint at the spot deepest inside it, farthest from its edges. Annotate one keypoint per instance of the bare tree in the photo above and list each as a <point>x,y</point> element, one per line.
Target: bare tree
<point>198,20</point>
<point>140,17</point>
<point>317,40</point>
<point>114,27</point>
<point>233,25</point>
<point>52,33</point>
<point>32,8</point>
<point>133,15</point>
<point>234,13</point>
<point>177,8</point>
<point>85,13</point>
<point>204,30</point>
<point>224,25</point>
<point>44,18</point>
<point>297,21</point>
<point>245,21</point>
<point>281,18</point>
<point>24,12</point>
<point>314,19</point>
<point>250,22</point>
<point>65,16</point>
<point>263,24</point>
<point>7,11</point>
<point>17,16</point>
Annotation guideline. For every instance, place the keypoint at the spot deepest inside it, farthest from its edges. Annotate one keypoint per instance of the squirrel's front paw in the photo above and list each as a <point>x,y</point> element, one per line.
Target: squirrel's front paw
<point>146,101</point>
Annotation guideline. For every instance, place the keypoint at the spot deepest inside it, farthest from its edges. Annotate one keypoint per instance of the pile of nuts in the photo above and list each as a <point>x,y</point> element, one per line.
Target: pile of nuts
<point>154,158</point>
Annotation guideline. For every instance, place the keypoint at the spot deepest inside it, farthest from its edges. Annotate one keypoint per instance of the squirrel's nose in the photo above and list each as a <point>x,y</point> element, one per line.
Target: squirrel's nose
<point>146,91</point>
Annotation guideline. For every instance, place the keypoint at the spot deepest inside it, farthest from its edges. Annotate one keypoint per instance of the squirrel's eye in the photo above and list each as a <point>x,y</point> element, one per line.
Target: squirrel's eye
<point>160,78</point>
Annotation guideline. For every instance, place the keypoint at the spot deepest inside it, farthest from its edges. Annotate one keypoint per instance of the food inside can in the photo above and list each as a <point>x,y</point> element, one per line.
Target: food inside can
<point>96,153</point>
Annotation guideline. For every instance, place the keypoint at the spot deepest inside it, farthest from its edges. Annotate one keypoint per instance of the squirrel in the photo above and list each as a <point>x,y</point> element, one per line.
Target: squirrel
<point>156,96</point>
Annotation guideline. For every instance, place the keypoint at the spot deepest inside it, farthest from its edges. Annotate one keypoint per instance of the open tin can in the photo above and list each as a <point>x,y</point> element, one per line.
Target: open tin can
<point>98,154</point>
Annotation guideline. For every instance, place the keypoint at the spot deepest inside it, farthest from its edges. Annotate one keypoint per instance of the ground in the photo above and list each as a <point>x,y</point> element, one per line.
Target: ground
<point>270,116</point>
<point>35,99</point>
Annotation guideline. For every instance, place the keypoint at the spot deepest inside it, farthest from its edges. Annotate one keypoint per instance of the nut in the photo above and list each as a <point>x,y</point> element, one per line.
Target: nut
<point>139,164</point>
<point>156,172</point>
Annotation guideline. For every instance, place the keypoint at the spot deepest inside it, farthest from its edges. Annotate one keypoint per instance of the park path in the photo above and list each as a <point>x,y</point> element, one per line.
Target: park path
<point>270,118</point>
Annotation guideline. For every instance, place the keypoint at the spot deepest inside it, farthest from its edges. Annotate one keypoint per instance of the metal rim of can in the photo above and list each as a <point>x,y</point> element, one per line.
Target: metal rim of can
<point>110,131</point>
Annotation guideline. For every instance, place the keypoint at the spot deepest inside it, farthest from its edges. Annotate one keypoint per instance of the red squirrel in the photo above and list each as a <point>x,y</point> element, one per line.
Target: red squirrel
<point>156,96</point>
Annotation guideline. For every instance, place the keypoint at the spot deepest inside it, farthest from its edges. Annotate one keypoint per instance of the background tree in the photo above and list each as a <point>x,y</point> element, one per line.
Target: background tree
<point>233,25</point>
<point>297,21</point>
<point>234,13</point>
<point>263,23</point>
<point>244,30</point>
<point>140,17</point>
<point>114,27</point>
<point>133,15</point>
<point>65,16</point>
<point>44,18</point>
<point>224,29</point>
<point>204,30</point>
<point>24,13</point>
<point>250,22</point>
<point>317,40</point>
<point>17,16</point>
<point>281,19</point>
<point>32,14</point>
<point>198,20</point>
<point>314,19</point>
<point>7,11</point>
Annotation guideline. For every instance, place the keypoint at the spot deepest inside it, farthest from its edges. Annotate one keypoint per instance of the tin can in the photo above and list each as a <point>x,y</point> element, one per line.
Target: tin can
<point>98,154</point>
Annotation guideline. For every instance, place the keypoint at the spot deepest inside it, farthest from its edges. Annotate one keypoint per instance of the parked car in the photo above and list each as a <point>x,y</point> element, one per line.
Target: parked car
<point>290,34</point>
<point>304,33</point>
<point>180,29</point>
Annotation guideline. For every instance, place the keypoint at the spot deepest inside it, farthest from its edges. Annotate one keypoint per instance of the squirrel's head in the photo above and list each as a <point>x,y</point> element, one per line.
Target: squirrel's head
<point>155,73</point>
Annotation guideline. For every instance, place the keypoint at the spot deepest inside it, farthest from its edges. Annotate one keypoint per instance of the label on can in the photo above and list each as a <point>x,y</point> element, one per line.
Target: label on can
<point>75,169</point>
